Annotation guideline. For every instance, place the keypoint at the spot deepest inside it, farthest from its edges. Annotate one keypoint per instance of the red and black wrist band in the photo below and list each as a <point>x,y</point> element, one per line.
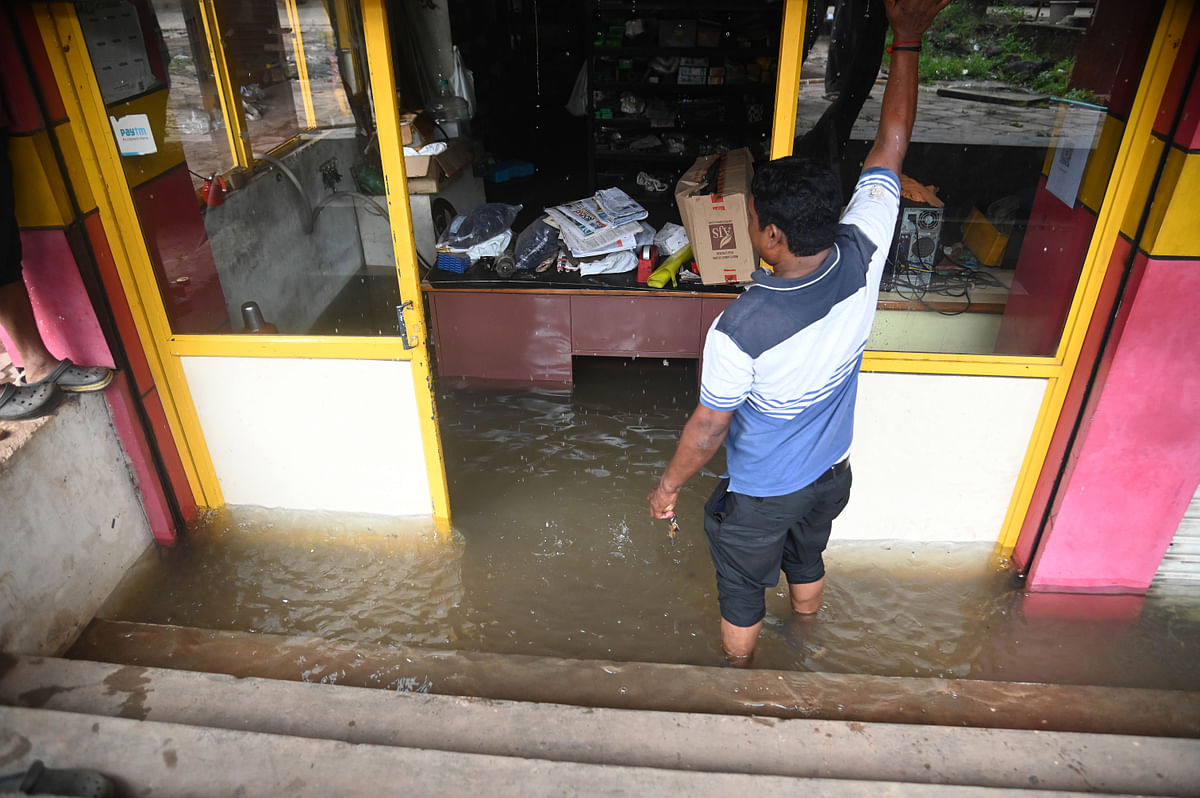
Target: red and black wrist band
<point>907,46</point>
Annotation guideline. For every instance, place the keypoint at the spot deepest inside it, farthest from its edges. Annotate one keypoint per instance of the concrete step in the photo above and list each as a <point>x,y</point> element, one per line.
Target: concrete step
<point>651,686</point>
<point>169,760</point>
<point>143,723</point>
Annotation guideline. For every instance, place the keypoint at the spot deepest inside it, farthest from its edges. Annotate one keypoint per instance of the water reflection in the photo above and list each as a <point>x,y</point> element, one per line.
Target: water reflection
<point>338,576</point>
<point>554,555</point>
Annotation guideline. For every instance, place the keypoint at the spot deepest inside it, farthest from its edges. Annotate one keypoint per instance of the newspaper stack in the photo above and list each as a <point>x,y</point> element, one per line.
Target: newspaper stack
<point>608,221</point>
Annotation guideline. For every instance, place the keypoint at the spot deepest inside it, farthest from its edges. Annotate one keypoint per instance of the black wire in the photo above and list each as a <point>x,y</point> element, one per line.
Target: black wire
<point>951,283</point>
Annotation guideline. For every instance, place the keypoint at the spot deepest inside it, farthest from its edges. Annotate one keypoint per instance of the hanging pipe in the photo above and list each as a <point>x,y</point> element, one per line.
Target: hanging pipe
<point>307,219</point>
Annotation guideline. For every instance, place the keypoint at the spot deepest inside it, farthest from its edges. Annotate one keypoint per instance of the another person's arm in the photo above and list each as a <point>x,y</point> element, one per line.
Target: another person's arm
<point>909,20</point>
<point>701,438</point>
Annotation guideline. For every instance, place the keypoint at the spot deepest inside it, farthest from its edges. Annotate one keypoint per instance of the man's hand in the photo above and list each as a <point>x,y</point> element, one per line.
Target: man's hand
<point>662,501</point>
<point>911,18</point>
<point>701,438</point>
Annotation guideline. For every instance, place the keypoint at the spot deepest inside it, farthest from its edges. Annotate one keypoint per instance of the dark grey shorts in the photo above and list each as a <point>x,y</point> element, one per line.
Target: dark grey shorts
<point>752,539</point>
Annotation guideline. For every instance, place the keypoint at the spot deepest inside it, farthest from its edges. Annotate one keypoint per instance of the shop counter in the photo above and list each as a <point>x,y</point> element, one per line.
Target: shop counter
<point>528,330</point>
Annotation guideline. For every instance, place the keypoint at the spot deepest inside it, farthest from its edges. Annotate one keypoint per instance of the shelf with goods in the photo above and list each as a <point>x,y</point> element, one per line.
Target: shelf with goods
<point>671,81</point>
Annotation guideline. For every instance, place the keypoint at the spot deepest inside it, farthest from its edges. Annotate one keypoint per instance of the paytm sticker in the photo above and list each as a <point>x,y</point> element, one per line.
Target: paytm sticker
<point>133,134</point>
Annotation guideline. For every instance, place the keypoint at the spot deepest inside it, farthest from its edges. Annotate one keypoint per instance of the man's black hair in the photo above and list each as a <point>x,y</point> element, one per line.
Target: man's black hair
<point>803,198</point>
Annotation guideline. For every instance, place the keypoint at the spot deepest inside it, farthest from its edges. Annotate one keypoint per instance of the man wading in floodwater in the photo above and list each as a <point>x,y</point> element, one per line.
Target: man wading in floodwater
<point>781,363</point>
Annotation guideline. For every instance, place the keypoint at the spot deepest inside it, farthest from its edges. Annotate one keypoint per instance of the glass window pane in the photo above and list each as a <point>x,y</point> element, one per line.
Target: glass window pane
<point>1017,126</point>
<point>303,238</point>
<point>283,62</point>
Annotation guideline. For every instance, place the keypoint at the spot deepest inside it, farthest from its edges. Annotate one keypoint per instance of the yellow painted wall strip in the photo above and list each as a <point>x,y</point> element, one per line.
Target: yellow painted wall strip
<point>934,363</point>
<point>38,181</point>
<point>1140,197</point>
<point>1122,188</point>
<point>1173,230</point>
<point>387,118</point>
<point>1100,162</point>
<point>76,174</point>
<point>68,55</point>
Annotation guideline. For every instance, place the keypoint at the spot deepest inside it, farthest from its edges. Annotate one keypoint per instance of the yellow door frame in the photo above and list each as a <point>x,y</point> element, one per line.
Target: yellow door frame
<point>67,51</point>
<point>1120,192</point>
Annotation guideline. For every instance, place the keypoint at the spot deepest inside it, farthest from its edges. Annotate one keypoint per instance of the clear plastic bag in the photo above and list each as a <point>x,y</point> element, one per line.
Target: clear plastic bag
<point>535,244</point>
<point>480,224</point>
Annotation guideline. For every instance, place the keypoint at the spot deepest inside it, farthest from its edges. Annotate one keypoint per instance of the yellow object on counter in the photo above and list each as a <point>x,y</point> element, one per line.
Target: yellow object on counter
<point>670,268</point>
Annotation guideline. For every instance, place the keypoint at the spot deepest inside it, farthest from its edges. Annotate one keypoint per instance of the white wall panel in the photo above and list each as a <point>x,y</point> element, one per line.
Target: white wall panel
<point>313,434</point>
<point>936,457</point>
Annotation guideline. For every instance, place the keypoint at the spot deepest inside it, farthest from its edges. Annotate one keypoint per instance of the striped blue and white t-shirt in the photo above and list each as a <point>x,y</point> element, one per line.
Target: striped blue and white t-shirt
<point>785,355</point>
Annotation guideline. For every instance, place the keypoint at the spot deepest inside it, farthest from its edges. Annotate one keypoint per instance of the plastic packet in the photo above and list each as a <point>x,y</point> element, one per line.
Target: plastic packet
<point>535,244</point>
<point>671,238</point>
<point>481,223</point>
<point>491,247</point>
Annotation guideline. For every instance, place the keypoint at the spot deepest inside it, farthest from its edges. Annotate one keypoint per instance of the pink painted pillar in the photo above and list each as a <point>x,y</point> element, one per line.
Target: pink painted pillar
<point>1136,462</point>
<point>61,305</point>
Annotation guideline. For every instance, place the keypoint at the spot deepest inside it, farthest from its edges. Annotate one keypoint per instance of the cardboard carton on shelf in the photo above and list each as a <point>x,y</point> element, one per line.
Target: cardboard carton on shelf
<point>713,197</point>
<point>407,121</point>
<point>428,173</point>
<point>416,129</point>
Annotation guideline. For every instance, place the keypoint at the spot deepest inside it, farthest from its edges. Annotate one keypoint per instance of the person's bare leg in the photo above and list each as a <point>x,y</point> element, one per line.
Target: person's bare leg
<point>738,642</point>
<point>806,598</point>
<point>16,317</point>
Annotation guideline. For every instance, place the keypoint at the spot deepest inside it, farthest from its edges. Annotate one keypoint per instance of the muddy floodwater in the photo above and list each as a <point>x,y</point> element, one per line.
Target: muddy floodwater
<point>552,553</point>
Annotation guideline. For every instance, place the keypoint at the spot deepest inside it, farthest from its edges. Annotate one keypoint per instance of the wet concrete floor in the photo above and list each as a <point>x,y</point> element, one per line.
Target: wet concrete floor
<point>553,555</point>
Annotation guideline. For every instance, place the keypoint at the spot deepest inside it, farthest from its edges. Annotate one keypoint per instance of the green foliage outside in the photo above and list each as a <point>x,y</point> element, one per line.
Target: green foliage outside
<point>961,46</point>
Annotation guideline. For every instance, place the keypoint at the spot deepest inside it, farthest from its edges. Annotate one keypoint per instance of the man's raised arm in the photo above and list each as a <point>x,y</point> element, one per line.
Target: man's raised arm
<point>909,20</point>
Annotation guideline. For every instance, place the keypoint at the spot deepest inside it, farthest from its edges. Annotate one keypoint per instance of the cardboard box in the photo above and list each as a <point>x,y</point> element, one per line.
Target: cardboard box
<point>406,128</point>
<point>692,76</point>
<point>427,173</point>
<point>713,198</point>
<point>415,128</point>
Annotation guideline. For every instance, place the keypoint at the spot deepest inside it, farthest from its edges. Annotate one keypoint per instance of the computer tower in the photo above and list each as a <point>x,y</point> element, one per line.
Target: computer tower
<point>917,245</point>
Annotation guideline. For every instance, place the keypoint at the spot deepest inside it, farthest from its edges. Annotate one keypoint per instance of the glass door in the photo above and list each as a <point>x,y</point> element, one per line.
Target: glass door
<point>254,149</point>
<point>250,149</point>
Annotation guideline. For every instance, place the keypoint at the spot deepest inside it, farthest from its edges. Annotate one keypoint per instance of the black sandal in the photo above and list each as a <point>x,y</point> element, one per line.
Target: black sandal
<point>20,402</point>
